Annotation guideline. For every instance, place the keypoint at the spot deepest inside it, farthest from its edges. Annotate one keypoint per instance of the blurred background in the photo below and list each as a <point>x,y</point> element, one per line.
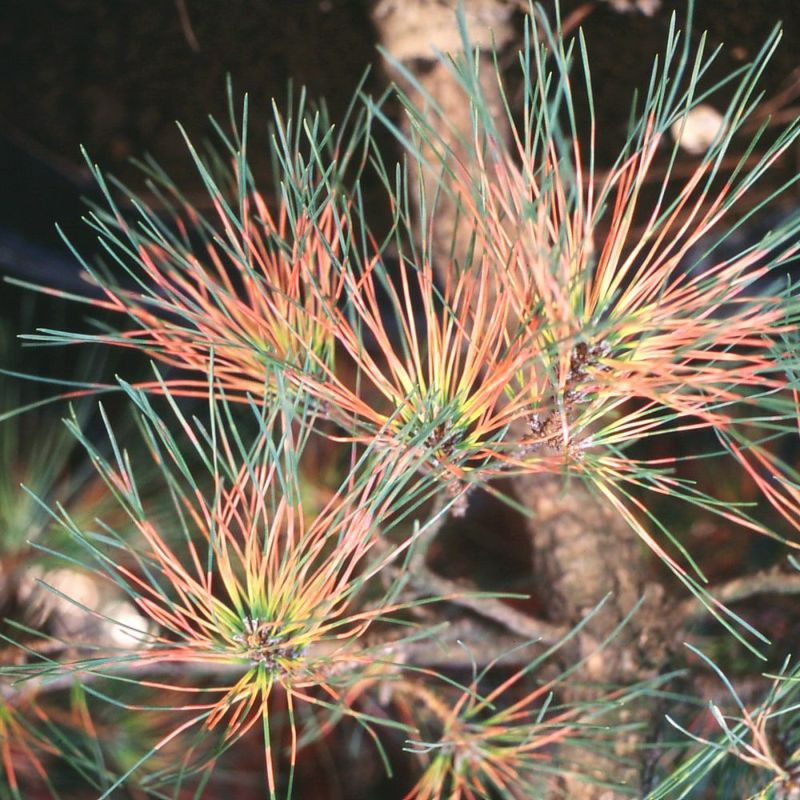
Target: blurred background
<point>115,75</point>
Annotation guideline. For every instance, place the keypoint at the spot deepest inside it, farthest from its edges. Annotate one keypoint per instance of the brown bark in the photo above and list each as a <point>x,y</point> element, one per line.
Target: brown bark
<point>582,551</point>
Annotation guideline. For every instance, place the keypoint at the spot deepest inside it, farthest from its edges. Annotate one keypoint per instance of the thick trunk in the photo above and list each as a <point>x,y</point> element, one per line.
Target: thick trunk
<point>582,551</point>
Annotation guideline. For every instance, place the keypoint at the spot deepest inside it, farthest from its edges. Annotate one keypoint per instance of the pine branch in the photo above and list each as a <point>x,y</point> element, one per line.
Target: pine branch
<point>771,581</point>
<point>425,583</point>
<point>462,644</point>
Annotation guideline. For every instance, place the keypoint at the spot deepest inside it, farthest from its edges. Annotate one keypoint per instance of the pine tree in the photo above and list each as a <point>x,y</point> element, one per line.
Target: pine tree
<point>259,522</point>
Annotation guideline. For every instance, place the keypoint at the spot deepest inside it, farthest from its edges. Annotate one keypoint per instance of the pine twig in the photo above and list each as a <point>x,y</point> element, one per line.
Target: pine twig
<point>771,581</point>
